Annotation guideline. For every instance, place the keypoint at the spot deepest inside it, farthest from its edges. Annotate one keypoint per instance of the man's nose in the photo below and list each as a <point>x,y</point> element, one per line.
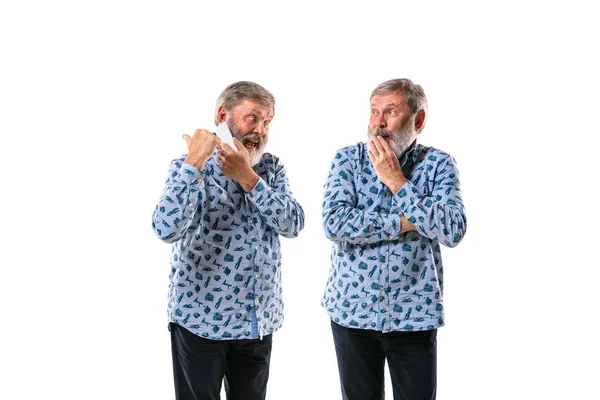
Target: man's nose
<point>261,129</point>
<point>380,121</point>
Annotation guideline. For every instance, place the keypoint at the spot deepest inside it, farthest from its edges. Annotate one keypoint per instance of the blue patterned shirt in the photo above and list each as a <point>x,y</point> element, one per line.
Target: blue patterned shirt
<point>381,279</point>
<point>225,279</point>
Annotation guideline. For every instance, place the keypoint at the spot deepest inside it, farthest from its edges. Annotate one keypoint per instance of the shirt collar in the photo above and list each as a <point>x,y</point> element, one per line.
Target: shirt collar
<point>409,157</point>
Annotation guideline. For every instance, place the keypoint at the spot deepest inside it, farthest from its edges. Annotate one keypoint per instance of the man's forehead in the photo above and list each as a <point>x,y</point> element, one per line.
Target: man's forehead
<point>396,98</point>
<point>255,106</point>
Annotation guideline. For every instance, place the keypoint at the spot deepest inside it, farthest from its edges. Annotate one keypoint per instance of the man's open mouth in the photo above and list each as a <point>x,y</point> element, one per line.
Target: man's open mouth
<point>251,144</point>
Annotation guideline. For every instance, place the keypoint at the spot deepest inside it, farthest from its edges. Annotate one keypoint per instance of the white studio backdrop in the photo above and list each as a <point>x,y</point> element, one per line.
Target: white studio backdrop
<point>94,98</point>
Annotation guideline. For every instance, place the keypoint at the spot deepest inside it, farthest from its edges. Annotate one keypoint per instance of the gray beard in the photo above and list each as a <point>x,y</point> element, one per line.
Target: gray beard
<point>401,140</point>
<point>255,155</point>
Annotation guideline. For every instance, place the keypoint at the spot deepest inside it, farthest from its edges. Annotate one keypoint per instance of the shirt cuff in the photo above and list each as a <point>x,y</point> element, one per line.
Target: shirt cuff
<point>190,174</point>
<point>391,227</point>
<point>388,229</point>
<point>258,191</point>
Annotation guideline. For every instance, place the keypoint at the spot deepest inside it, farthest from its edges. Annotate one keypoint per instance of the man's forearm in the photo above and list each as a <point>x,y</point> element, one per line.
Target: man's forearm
<point>277,208</point>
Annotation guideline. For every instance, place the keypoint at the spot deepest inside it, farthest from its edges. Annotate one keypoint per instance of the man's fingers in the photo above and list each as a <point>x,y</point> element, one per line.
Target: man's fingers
<point>371,157</point>
<point>227,148</point>
<point>376,147</point>
<point>384,146</point>
<point>238,144</point>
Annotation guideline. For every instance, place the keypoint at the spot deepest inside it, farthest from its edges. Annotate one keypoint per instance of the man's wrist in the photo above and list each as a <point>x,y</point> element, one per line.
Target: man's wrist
<point>195,161</point>
<point>397,184</point>
<point>249,182</point>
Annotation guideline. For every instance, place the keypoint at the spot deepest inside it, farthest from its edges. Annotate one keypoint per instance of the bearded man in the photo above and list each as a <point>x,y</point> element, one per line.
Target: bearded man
<point>388,206</point>
<point>223,211</point>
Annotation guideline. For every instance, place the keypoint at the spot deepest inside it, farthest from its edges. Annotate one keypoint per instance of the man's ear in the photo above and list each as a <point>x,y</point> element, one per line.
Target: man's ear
<point>419,120</point>
<point>221,114</point>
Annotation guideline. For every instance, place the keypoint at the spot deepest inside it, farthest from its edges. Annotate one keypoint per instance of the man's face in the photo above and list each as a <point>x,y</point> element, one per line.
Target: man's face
<point>249,123</point>
<point>391,119</point>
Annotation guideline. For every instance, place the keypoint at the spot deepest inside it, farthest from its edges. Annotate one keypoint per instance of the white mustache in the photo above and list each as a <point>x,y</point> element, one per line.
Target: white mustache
<point>253,137</point>
<point>382,132</point>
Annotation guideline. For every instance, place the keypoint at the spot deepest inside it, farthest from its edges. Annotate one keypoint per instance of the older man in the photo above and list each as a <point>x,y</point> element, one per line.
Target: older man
<point>388,206</point>
<point>224,211</point>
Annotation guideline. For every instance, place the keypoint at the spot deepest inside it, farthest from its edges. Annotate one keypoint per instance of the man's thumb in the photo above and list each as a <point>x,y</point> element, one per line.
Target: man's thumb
<point>188,140</point>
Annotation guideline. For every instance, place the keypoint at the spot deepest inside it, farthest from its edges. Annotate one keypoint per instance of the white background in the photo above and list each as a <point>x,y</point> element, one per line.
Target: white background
<point>94,98</point>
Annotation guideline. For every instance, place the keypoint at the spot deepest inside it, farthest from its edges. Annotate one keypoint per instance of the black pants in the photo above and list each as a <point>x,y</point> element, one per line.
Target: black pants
<point>361,355</point>
<point>199,366</point>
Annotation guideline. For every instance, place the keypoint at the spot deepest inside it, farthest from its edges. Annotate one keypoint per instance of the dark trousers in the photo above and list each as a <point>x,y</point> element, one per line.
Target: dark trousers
<point>361,356</point>
<point>199,366</point>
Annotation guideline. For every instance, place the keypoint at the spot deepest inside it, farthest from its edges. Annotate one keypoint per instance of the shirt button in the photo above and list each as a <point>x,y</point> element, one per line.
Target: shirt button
<point>257,302</point>
<point>382,292</point>
<point>257,276</point>
<point>255,247</point>
<point>382,266</point>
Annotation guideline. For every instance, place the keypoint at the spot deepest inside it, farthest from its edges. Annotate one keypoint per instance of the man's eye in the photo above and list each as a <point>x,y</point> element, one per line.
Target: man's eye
<point>251,118</point>
<point>393,112</point>
<point>375,112</point>
<point>267,122</point>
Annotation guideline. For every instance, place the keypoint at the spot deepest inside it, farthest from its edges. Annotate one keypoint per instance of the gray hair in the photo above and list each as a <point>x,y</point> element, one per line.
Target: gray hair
<point>237,92</point>
<point>414,95</point>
